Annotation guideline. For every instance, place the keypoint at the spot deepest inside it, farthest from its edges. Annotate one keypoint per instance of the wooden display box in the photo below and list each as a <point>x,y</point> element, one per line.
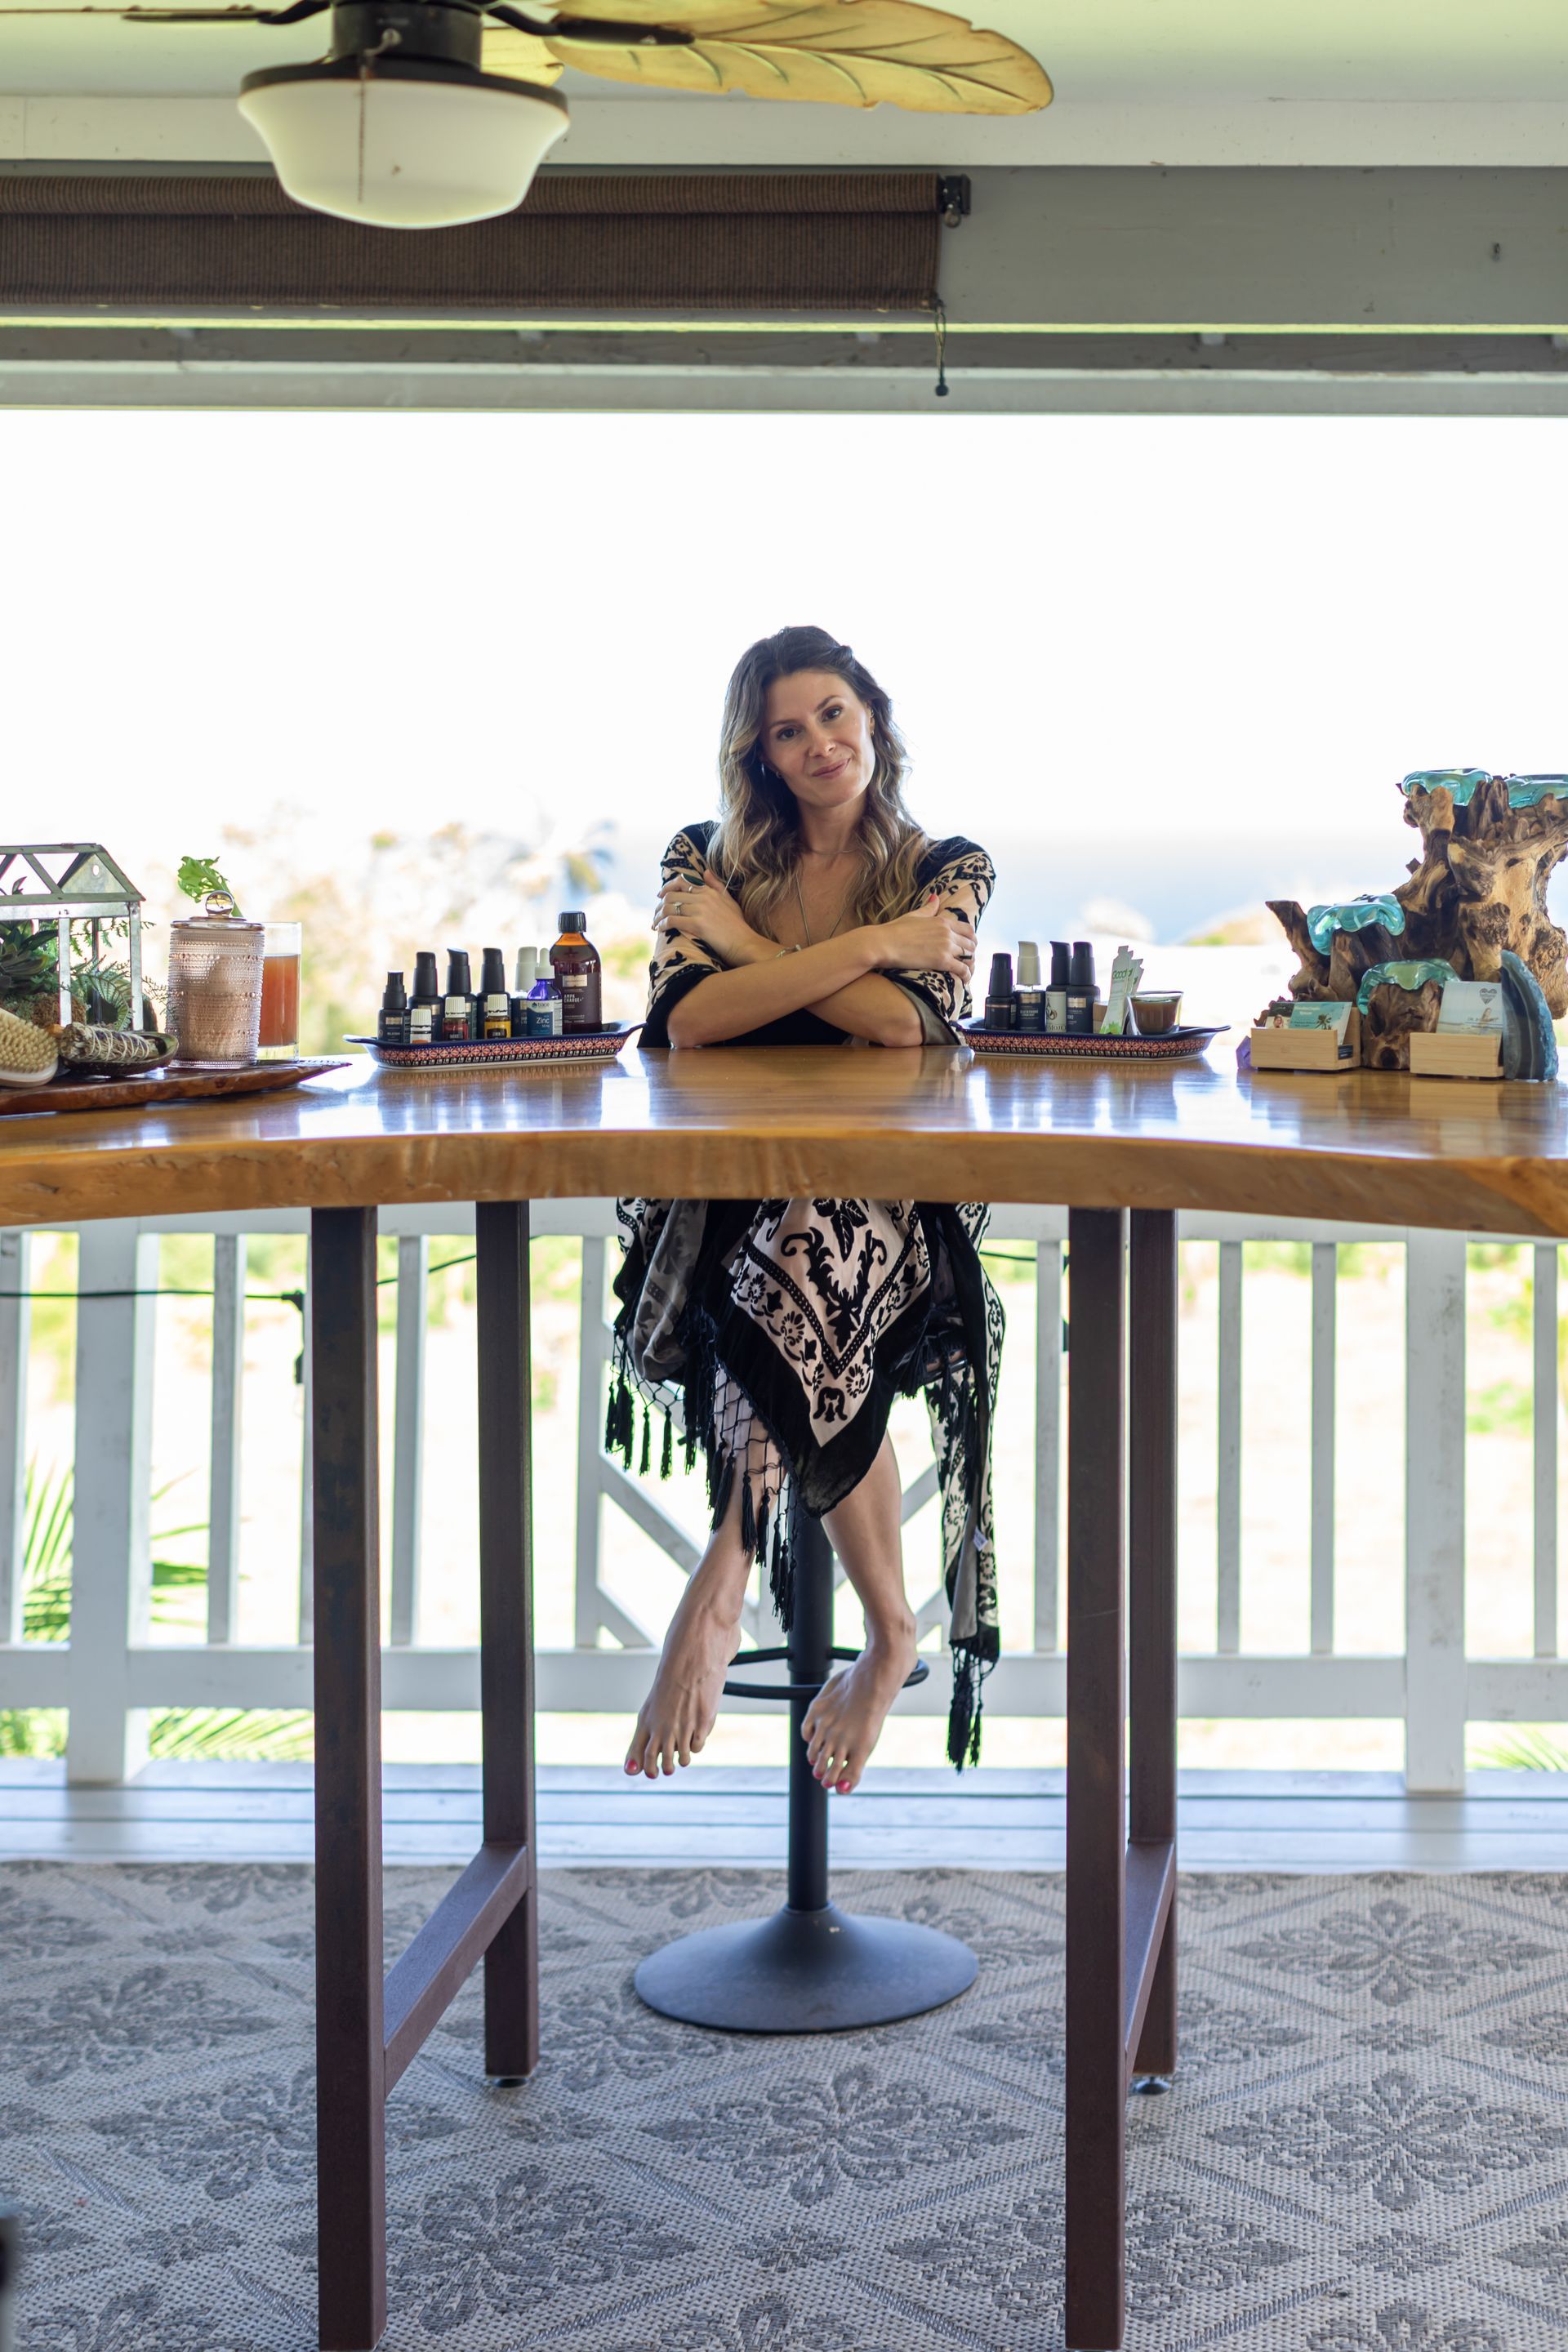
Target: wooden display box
<point>1433,1056</point>
<point>1308,1049</point>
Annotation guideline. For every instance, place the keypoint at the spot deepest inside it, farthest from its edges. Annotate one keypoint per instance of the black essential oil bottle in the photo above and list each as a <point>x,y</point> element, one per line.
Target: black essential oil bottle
<point>1029,996</point>
<point>1081,991</point>
<point>423,1027</point>
<point>574,962</point>
<point>1057,994</point>
<point>391,1022</point>
<point>457,1002</point>
<point>495,998</point>
<point>999,992</point>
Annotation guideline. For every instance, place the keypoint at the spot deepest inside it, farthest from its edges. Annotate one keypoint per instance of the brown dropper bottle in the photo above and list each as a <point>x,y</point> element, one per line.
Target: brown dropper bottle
<point>574,961</point>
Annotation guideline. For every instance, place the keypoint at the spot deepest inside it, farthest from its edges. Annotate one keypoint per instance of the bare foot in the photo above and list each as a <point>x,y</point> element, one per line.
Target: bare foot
<point>844,1721</point>
<point>680,1711</point>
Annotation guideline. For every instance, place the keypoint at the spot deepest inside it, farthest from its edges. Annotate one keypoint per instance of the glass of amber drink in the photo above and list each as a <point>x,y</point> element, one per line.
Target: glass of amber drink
<point>279,1038</point>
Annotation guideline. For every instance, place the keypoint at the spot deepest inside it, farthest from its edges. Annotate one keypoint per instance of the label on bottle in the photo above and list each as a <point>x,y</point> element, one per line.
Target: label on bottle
<point>497,1016</point>
<point>543,1016</point>
<point>576,1006</point>
<point>421,1024</point>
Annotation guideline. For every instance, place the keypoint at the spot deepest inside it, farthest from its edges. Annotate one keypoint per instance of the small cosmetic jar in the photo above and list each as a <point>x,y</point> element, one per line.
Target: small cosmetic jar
<point>1158,1011</point>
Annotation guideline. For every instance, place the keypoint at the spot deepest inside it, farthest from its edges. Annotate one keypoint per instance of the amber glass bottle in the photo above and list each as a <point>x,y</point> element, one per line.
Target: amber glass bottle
<point>574,961</point>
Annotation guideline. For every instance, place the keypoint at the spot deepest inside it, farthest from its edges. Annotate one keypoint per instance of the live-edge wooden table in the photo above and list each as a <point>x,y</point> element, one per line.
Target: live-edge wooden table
<point>1104,1139</point>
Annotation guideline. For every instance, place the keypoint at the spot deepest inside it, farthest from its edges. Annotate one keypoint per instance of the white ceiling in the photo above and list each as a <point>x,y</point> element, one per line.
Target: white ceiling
<point>1099,53</point>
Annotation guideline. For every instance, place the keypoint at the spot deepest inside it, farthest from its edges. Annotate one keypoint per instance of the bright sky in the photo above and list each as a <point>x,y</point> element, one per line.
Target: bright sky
<point>1172,661</point>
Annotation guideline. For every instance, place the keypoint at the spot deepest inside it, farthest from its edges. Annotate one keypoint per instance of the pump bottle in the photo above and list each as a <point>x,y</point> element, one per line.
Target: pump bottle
<point>495,999</point>
<point>457,1002</point>
<point>425,1005</point>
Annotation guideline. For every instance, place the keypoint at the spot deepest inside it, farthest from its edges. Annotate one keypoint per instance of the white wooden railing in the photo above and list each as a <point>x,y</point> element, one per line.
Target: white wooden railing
<point>110,1672</point>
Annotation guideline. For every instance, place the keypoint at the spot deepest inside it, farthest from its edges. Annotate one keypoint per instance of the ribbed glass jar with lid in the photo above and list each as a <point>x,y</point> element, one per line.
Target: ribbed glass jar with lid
<point>215,986</point>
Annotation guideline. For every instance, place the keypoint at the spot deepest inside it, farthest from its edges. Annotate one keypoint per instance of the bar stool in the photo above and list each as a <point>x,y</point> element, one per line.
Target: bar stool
<point>811,1968</point>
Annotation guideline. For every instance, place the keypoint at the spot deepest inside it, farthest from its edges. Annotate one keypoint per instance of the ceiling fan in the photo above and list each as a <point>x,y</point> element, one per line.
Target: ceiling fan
<point>425,113</point>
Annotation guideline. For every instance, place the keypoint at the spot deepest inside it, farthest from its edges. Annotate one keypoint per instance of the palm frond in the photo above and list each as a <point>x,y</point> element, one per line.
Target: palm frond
<point>276,1735</point>
<point>47,1555</point>
<point>1527,1750</point>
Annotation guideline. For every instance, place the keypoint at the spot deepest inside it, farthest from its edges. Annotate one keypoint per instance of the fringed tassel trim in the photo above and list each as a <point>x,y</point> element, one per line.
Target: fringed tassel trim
<point>621,1425</point>
<point>781,1567</point>
<point>970,1668</point>
<point>619,1418</point>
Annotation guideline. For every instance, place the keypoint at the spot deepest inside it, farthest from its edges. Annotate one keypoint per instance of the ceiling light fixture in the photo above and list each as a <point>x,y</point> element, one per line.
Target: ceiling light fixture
<point>399,125</point>
<point>402,126</point>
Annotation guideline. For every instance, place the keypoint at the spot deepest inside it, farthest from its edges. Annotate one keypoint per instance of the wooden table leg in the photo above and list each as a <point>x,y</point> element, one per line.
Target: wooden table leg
<point>1095,1848</point>
<point>1152,1599</point>
<point>1121,1875</point>
<point>351,2091</point>
<point>506,1623</point>
<point>367,2030</point>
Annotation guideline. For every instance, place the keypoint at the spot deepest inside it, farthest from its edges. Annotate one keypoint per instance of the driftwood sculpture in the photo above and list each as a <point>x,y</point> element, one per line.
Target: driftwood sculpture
<point>1392,1015</point>
<point>1488,847</point>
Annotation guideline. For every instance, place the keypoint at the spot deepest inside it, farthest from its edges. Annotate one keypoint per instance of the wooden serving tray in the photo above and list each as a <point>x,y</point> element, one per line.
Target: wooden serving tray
<point>1173,1046</point>
<point>168,1083</point>
<point>489,1053</point>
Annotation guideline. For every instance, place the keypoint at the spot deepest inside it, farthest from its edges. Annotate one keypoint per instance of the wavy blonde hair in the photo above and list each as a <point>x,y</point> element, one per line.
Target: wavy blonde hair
<point>757,847</point>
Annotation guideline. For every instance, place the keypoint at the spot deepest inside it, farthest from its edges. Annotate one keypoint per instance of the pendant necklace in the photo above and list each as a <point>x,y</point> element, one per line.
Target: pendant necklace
<point>805,926</point>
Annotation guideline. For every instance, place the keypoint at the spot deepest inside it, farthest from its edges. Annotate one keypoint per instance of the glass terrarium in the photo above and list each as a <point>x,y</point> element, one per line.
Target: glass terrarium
<point>56,900</point>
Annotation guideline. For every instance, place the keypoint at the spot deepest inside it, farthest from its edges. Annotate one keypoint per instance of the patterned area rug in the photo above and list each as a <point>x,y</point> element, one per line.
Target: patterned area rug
<point>1366,2148</point>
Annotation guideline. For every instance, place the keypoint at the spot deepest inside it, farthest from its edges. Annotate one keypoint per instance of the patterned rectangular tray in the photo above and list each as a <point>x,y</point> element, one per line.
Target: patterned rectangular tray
<point>488,1053</point>
<point>1176,1044</point>
<point>134,1090</point>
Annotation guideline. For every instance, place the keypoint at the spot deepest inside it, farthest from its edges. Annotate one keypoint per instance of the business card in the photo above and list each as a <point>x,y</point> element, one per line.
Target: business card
<point>1331,1014</point>
<point>1470,1008</point>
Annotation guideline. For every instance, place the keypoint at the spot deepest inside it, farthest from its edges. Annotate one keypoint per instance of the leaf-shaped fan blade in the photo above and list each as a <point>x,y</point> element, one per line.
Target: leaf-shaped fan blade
<point>843,53</point>
<point>519,56</point>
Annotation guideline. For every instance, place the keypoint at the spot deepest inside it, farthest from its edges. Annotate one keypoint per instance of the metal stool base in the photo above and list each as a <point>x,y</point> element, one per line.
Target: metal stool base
<point>805,1972</point>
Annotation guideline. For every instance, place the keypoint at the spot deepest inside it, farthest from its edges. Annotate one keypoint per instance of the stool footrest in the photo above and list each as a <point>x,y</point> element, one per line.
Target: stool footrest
<point>796,1690</point>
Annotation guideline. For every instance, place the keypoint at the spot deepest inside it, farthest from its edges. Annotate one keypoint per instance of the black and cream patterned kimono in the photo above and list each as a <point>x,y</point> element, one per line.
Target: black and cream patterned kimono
<point>775,1333</point>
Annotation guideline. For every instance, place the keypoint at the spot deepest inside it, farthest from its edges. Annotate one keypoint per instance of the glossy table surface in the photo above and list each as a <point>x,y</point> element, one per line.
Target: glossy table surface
<point>747,1122</point>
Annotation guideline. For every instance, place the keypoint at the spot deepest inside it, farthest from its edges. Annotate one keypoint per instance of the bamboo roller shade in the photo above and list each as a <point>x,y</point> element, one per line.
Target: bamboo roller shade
<point>580,241</point>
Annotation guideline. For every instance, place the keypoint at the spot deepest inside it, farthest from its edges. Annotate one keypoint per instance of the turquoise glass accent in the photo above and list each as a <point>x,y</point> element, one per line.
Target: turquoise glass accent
<point>1353,915</point>
<point>1403,976</point>
<point>1460,781</point>
<point>1529,792</point>
<point>1529,1040</point>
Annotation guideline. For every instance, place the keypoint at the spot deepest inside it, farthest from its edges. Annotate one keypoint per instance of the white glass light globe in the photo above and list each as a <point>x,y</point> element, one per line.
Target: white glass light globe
<point>404,151</point>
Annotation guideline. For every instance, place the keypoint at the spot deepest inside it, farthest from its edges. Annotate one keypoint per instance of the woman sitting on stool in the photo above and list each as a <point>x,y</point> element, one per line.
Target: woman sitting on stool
<point>776,1333</point>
